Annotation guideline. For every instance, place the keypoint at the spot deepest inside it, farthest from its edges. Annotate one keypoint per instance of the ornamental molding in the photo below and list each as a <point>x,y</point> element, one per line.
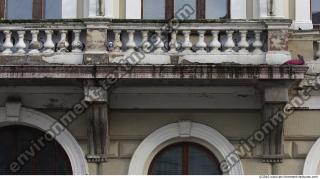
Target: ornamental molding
<point>14,114</point>
<point>197,132</point>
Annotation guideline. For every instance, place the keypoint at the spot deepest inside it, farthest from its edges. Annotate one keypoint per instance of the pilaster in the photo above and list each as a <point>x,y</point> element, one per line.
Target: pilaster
<point>98,130</point>
<point>238,9</point>
<point>302,15</point>
<point>275,98</point>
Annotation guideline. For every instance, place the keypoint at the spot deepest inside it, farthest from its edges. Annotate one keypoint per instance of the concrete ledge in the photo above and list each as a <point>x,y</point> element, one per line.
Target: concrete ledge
<point>194,72</point>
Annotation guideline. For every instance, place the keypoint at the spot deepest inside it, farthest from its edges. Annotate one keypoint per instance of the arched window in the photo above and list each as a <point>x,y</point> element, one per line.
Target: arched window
<point>185,159</point>
<point>315,8</point>
<point>31,9</point>
<point>21,145</point>
<point>185,9</point>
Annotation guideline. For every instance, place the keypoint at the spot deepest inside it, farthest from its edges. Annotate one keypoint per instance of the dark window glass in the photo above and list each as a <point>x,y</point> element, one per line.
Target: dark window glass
<point>17,143</point>
<point>169,162</point>
<point>216,9</point>
<point>153,9</point>
<point>315,8</point>
<point>53,9</point>
<point>19,9</point>
<point>200,162</point>
<point>185,159</point>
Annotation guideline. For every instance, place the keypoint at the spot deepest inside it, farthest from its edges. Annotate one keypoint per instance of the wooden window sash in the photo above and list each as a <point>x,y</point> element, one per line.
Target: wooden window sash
<point>201,9</point>
<point>228,9</point>
<point>37,9</point>
<point>169,9</point>
<point>2,8</point>
<point>142,6</point>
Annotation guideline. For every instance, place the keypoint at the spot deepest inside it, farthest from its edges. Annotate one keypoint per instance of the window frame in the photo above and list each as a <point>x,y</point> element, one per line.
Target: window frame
<point>185,156</point>
<point>18,132</point>
<point>200,11</point>
<point>2,8</point>
<point>38,9</point>
<point>315,26</point>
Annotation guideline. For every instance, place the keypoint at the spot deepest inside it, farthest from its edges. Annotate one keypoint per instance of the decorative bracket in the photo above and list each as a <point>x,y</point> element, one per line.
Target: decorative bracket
<point>98,130</point>
<point>13,109</point>
<point>272,125</point>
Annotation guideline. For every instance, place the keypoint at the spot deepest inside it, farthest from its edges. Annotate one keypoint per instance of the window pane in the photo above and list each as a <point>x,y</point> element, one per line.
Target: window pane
<point>154,9</point>
<point>185,9</point>
<point>19,9</point>
<point>48,159</point>
<point>169,162</point>
<point>201,162</point>
<point>315,11</point>
<point>53,9</point>
<point>216,9</point>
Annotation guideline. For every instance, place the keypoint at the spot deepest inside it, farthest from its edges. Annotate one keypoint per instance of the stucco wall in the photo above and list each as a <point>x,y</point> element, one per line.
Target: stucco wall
<point>129,127</point>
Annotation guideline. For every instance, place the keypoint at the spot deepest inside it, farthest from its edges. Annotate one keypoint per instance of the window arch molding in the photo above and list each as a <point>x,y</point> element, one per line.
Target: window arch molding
<point>185,131</point>
<point>14,114</point>
<point>312,163</point>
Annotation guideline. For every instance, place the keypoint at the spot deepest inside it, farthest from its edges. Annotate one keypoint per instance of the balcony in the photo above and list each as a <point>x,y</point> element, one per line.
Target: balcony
<point>91,42</point>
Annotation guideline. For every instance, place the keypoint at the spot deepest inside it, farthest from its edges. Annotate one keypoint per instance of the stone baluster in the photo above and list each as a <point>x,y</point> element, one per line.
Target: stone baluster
<point>76,43</point>
<point>257,43</point>
<point>243,44</point>
<point>215,44</point>
<point>7,45</point>
<point>229,45</point>
<point>201,44</point>
<point>173,43</point>
<point>159,43</point>
<point>131,44</point>
<point>187,45</point>
<point>145,44</point>
<point>21,45</point>
<point>318,51</point>
<point>48,45</point>
<point>35,45</point>
<point>63,43</point>
<point>117,41</point>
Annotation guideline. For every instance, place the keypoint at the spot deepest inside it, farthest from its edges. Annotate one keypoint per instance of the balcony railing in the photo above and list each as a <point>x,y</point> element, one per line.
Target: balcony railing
<point>244,42</point>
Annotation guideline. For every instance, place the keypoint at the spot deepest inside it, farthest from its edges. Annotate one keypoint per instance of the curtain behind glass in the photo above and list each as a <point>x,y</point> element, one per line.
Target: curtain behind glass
<point>315,7</point>
<point>180,7</point>
<point>53,9</point>
<point>216,9</point>
<point>19,9</point>
<point>154,9</point>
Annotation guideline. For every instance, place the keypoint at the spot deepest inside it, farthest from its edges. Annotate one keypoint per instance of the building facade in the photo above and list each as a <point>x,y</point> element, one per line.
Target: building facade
<point>117,87</point>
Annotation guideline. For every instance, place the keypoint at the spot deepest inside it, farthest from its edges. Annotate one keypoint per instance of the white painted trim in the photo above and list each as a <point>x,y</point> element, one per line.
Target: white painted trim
<point>260,9</point>
<point>133,9</point>
<point>90,9</point>
<point>109,8</point>
<point>238,9</point>
<point>69,9</point>
<point>279,9</point>
<point>302,15</point>
<point>44,122</point>
<point>183,131</point>
<point>312,162</point>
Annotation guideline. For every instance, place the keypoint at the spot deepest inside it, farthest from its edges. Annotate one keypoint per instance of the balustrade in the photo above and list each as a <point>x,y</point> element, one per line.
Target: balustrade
<point>221,41</point>
<point>28,41</point>
<point>199,38</point>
